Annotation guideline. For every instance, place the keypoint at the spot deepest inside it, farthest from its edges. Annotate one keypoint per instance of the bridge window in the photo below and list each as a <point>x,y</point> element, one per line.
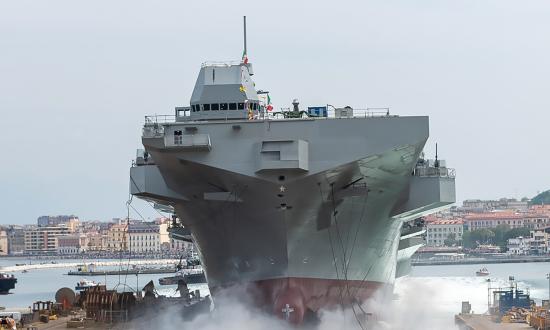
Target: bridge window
<point>206,107</point>
<point>241,106</point>
<point>232,106</point>
<point>223,106</point>
<point>178,137</point>
<point>214,106</point>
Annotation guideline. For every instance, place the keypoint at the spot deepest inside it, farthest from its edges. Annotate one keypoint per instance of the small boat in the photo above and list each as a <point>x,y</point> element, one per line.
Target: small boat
<point>190,276</point>
<point>7,282</point>
<point>482,272</point>
<point>84,284</point>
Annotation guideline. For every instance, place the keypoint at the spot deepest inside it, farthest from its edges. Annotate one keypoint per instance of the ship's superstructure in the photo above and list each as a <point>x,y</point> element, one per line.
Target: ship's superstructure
<point>306,211</point>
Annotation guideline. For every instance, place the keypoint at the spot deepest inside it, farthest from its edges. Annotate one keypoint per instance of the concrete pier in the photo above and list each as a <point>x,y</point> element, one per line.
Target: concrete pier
<point>484,322</point>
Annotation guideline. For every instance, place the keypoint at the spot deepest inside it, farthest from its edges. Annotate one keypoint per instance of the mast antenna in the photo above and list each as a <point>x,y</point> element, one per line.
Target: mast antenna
<point>244,26</point>
<point>436,160</point>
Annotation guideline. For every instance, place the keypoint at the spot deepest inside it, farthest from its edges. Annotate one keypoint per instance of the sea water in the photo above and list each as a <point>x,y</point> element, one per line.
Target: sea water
<point>42,284</point>
<point>429,297</point>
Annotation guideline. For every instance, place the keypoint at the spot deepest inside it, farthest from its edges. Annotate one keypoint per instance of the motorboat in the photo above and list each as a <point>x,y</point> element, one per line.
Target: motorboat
<point>482,272</point>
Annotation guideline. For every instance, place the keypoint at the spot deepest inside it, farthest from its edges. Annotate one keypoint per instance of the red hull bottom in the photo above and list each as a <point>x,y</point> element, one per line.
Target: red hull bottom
<point>290,298</point>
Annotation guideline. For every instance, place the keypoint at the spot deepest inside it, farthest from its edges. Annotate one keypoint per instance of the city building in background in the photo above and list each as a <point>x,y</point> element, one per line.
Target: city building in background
<point>16,240</point>
<point>492,219</point>
<point>69,244</point>
<point>143,238</point>
<point>3,243</point>
<point>117,238</point>
<point>43,239</point>
<point>96,241</point>
<point>441,230</point>
<point>480,206</point>
<point>518,245</point>
<point>536,243</point>
<point>539,242</point>
<point>51,220</point>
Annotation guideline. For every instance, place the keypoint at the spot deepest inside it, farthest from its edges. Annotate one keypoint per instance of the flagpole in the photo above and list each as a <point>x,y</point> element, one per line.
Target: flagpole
<point>244,20</point>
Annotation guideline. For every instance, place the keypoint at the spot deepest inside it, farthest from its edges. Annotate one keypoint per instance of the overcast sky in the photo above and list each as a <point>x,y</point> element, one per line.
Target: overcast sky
<point>77,78</point>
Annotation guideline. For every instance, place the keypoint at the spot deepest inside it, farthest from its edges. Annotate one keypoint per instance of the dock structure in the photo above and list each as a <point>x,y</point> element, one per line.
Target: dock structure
<point>484,322</point>
<point>123,272</point>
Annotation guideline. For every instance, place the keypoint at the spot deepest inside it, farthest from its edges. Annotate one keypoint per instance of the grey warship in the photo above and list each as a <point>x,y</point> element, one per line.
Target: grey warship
<point>305,209</point>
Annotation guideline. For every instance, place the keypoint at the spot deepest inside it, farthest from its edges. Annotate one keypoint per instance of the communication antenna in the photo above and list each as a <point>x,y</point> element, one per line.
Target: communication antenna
<point>244,27</point>
<point>436,164</point>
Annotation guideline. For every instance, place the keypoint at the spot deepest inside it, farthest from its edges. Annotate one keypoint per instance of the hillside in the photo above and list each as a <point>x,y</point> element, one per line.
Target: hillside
<point>542,198</point>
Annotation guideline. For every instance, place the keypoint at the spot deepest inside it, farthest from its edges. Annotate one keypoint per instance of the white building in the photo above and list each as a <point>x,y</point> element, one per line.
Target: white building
<point>539,242</point>
<point>439,230</point>
<point>179,246</point>
<point>70,244</point>
<point>536,244</point>
<point>144,238</point>
<point>164,236</point>
<point>518,245</point>
<point>3,243</point>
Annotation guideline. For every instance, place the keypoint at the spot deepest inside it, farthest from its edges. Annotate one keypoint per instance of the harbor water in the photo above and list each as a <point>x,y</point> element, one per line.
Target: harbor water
<point>41,284</point>
<point>431,295</point>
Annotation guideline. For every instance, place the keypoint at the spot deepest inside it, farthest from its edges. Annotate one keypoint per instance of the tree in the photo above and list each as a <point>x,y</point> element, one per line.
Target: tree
<point>451,240</point>
<point>498,236</point>
<point>542,198</point>
<point>500,233</point>
<point>471,239</point>
<point>515,232</point>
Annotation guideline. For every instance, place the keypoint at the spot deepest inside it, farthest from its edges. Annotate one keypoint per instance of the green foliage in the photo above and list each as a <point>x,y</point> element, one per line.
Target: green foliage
<point>542,198</point>
<point>525,232</point>
<point>471,239</point>
<point>497,236</point>
<point>500,233</point>
<point>451,240</point>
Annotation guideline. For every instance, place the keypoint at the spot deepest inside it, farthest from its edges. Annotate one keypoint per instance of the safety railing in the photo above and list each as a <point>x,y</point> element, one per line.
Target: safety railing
<point>160,119</point>
<point>442,172</point>
<point>184,114</point>
<point>220,63</point>
<point>358,113</point>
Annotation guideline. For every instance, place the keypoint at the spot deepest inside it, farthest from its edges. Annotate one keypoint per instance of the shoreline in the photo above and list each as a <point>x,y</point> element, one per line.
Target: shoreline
<point>10,269</point>
<point>480,261</point>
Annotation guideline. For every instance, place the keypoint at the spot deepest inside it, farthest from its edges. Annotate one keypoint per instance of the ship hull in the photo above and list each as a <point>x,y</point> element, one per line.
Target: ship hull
<point>287,254</point>
<point>296,210</point>
<point>305,296</point>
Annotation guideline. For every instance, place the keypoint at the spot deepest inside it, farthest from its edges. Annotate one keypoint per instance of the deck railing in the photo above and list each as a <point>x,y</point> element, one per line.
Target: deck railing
<point>183,114</point>
<point>160,119</point>
<point>442,172</point>
<point>220,63</point>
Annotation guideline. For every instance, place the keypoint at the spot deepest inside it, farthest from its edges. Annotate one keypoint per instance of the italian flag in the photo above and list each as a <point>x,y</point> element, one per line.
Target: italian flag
<point>269,106</point>
<point>245,58</point>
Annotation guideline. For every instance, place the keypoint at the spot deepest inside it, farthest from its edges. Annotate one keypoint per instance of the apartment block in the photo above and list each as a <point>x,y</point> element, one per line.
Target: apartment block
<point>43,239</point>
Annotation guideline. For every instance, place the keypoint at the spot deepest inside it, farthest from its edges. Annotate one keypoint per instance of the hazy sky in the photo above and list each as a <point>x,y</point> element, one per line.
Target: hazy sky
<point>77,78</point>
